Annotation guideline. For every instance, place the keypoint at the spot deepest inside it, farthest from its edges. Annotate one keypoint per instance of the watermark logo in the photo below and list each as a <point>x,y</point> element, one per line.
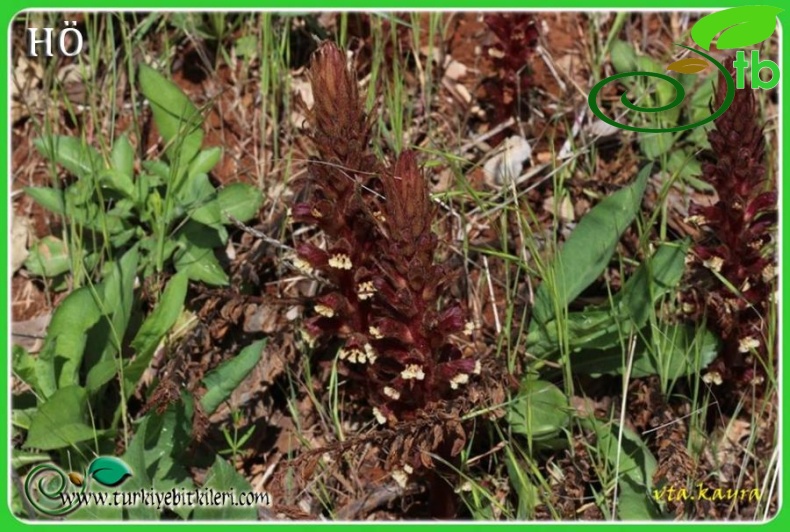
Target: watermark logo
<point>53,492</point>
<point>739,27</point>
<point>47,486</point>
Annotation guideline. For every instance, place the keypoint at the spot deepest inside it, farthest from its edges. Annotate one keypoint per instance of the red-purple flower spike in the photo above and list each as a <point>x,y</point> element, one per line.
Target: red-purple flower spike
<point>385,294</point>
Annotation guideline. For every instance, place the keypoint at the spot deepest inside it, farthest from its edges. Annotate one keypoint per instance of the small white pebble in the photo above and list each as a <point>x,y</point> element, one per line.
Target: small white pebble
<point>478,368</point>
<point>408,469</point>
<point>379,416</point>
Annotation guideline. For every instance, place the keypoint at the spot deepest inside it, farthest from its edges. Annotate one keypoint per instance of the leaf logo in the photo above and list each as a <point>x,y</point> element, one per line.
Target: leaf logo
<point>690,65</point>
<point>736,27</point>
<point>742,27</point>
<point>109,471</point>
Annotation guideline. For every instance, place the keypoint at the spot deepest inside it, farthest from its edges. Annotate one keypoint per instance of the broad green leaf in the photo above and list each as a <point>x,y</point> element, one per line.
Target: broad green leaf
<point>157,454</point>
<point>240,200</point>
<point>59,362</point>
<point>701,99</point>
<point>589,248</point>
<point>655,277</point>
<point>71,153</point>
<point>176,117</point>
<point>104,222</point>
<point>23,417</point>
<point>633,504</point>
<point>205,161</point>
<point>593,329</point>
<point>100,374</point>
<point>160,171</point>
<point>628,311</point>
<point>224,478</point>
<point>195,191</point>
<point>208,214</point>
<point>82,215</point>
<point>155,327</point>
<point>654,145</point>
<point>200,264</point>
<point>109,471</point>
<point>122,157</point>
<point>742,26</point>
<point>528,494</point>
<point>62,421</point>
<point>623,56</point>
<point>82,194</point>
<point>24,366</point>
<point>668,350</point>
<point>634,463</point>
<point>117,181</point>
<point>684,165</point>
<point>648,64</point>
<point>49,198</point>
<point>117,293</point>
<point>221,382</point>
<point>48,257</point>
<point>123,208</point>
<point>116,300</point>
<point>539,411</point>
<point>142,186</point>
<point>122,238</point>
<point>20,459</point>
<point>246,47</point>
<point>148,245</point>
<point>677,350</point>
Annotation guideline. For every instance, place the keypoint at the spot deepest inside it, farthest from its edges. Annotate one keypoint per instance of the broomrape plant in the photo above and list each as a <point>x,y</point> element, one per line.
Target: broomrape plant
<point>736,248</point>
<point>384,293</point>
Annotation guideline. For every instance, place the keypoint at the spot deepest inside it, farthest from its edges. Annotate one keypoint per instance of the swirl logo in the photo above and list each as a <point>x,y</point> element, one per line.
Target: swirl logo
<point>739,27</point>
<point>53,492</point>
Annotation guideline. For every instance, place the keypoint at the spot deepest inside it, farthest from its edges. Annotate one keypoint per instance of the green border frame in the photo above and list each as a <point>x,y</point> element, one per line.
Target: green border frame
<point>9,10</point>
